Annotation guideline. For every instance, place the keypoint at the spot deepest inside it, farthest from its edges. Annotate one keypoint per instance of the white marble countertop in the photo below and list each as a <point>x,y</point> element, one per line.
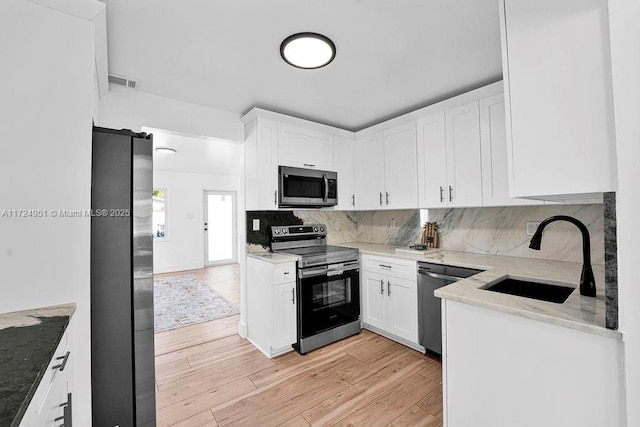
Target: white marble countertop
<point>272,257</point>
<point>578,312</point>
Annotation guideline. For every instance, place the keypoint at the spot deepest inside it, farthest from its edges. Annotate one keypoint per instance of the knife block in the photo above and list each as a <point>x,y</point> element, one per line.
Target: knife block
<point>430,235</point>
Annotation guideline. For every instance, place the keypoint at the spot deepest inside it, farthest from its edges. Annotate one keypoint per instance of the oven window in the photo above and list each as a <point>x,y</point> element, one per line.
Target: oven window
<point>302,186</point>
<point>331,293</point>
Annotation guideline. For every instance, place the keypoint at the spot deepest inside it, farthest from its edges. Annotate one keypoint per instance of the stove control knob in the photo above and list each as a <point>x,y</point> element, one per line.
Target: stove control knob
<point>276,231</point>
<point>315,229</point>
<point>322,229</point>
<point>284,231</point>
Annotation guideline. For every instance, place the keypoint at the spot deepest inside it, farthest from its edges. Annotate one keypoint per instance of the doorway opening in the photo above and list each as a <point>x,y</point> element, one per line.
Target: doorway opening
<point>220,228</point>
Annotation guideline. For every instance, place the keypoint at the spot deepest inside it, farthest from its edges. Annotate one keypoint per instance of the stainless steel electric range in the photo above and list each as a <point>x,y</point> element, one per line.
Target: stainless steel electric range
<point>328,285</point>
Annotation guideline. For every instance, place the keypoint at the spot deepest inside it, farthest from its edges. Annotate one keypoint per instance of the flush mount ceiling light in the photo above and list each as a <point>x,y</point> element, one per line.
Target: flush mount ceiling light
<point>166,150</point>
<point>307,50</point>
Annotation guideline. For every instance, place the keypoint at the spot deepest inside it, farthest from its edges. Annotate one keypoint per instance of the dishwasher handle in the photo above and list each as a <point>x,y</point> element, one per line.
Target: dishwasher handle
<point>438,275</point>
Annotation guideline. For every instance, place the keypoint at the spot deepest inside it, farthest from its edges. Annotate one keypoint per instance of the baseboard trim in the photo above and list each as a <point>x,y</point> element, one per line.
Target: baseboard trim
<point>176,268</point>
<point>242,329</point>
<point>395,338</point>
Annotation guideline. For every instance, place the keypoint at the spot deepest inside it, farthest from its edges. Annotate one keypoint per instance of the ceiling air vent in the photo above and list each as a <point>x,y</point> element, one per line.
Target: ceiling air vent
<point>123,81</point>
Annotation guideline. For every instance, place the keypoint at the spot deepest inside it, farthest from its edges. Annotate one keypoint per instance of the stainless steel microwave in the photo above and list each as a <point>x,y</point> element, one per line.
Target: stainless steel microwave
<point>299,187</point>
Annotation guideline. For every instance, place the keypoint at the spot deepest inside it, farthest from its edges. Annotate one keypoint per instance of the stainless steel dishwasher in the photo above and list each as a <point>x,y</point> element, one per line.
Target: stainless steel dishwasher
<point>431,277</point>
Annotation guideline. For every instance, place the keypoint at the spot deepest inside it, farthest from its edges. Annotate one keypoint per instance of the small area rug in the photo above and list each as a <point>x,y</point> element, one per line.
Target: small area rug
<point>185,300</point>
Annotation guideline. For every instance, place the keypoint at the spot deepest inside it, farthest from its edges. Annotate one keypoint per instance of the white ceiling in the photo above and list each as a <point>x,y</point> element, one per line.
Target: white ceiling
<point>393,56</point>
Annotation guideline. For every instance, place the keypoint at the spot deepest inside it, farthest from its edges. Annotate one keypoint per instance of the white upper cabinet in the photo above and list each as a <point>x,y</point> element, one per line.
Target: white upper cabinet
<point>370,172</point>
<point>400,167</point>
<point>432,160</point>
<point>386,169</point>
<point>464,170</point>
<point>261,165</point>
<point>273,139</point>
<point>305,148</point>
<point>449,161</point>
<point>493,141</point>
<point>344,163</point>
<point>557,72</point>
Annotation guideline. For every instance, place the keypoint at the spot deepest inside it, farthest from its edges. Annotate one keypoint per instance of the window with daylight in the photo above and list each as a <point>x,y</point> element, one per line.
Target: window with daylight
<point>159,213</point>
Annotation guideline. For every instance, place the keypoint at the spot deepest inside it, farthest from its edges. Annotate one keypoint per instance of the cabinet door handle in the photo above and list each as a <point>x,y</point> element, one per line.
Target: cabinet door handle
<point>275,197</point>
<point>387,198</point>
<point>380,199</point>
<point>450,193</point>
<point>381,287</point>
<point>66,413</point>
<point>388,288</point>
<point>384,266</point>
<point>309,165</point>
<point>353,200</point>
<point>293,296</point>
<point>64,361</point>
<point>441,194</point>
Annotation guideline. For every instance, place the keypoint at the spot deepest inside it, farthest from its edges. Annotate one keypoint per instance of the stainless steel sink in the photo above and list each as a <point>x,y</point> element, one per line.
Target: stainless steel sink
<point>540,291</point>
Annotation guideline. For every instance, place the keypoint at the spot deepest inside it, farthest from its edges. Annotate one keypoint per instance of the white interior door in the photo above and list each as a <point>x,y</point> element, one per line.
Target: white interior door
<point>220,227</point>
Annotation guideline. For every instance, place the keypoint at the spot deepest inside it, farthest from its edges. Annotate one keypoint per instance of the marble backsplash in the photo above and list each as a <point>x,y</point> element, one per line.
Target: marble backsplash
<point>502,231</point>
<point>341,225</point>
<point>378,227</point>
<point>497,231</point>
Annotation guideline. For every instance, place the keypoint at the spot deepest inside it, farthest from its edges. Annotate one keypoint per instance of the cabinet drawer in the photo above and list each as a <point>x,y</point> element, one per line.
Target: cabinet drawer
<point>395,267</point>
<point>284,273</point>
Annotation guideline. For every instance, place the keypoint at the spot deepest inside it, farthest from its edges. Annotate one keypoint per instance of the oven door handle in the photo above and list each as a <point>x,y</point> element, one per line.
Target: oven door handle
<point>330,270</point>
<point>305,273</point>
<point>334,270</point>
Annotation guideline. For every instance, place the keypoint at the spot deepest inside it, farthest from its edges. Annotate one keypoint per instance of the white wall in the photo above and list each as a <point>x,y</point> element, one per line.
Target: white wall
<point>199,164</point>
<point>46,80</point>
<point>624,16</point>
<point>133,109</point>
<point>183,249</point>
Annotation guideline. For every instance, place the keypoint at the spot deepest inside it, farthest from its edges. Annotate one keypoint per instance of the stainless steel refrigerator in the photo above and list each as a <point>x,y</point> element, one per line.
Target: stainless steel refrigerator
<point>122,351</point>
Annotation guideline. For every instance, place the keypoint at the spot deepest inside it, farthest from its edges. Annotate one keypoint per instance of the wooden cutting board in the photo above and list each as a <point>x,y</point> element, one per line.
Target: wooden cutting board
<point>430,235</point>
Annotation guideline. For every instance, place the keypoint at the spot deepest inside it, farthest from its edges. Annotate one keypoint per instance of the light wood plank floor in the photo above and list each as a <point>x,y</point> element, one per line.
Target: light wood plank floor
<point>206,375</point>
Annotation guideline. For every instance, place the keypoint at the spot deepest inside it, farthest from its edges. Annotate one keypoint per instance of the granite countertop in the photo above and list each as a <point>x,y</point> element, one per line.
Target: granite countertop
<point>272,257</point>
<point>581,313</point>
<point>28,340</point>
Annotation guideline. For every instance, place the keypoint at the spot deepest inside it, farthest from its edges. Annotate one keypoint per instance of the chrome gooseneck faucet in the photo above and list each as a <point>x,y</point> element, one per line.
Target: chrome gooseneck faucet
<point>587,281</point>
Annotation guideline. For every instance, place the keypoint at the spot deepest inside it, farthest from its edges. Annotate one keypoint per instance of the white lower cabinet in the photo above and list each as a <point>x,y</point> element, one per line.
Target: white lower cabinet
<point>284,315</point>
<point>390,297</point>
<point>51,403</point>
<point>271,305</point>
<point>503,370</point>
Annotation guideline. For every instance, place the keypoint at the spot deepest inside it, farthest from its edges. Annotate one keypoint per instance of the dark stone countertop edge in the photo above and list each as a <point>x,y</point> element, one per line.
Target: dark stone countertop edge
<point>32,390</point>
<point>44,312</point>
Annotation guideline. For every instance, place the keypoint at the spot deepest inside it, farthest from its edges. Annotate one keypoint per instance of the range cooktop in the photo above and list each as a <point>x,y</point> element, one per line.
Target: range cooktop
<point>308,243</point>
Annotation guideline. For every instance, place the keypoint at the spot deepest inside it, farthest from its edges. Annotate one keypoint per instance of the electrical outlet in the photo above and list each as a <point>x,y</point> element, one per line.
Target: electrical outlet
<point>256,225</point>
<point>532,226</point>
<point>392,223</point>
<point>336,225</point>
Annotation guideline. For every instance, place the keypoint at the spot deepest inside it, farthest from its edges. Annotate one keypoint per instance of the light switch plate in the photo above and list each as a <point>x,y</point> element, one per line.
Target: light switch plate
<point>256,225</point>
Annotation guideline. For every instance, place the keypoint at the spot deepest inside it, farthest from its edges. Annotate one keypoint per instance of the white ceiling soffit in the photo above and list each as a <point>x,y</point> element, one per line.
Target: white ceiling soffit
<point>392,56</point>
